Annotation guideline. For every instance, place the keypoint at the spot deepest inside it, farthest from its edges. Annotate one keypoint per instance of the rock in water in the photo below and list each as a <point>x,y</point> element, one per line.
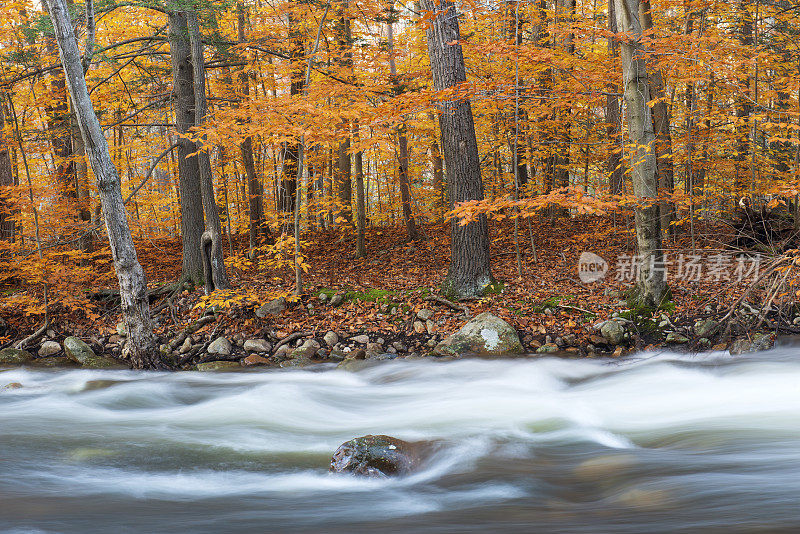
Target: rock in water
<point>485,335</point>
<point>375,456</point>
<point>14,356</point>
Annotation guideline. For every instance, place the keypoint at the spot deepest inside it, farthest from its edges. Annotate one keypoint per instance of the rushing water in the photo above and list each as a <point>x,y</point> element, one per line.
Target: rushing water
<point>661,443</point>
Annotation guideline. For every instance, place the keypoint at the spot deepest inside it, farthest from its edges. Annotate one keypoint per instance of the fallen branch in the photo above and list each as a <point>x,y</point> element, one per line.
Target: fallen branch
<point>452,305</point>
<point>33,337</point>
<point>291,337</point>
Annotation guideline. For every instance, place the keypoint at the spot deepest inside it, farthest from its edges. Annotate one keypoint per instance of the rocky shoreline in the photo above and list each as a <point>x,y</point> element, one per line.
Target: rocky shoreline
<point>485,335</point>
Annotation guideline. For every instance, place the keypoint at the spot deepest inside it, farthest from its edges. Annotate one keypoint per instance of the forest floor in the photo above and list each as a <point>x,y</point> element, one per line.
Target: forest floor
<point>384,292</point>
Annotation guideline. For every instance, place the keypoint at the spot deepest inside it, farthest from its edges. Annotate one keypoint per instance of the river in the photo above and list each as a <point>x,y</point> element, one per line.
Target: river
<point>656,443</point>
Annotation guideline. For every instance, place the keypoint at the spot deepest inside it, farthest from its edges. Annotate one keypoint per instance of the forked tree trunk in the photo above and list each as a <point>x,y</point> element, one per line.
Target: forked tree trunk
<point>651,286</point>
<point>142,344</point>
<point>212,255</point>
<point>469,273</point>
<point>191,202</point>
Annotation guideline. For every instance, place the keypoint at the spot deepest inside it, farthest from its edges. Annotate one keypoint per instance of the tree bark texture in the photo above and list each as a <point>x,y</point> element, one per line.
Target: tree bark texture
<point>469,273</point>
<point>614,165</point>
<point>142,345</point>
<point>652,287</point>
<point>191,202</point>
<point>213,224</point>
<point>7,225</point>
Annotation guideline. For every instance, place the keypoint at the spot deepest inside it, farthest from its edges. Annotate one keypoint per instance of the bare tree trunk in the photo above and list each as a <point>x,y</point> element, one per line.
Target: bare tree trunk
<point>142,344</point>
<point>213,255</point>
<point>661,125</point>
<point>614,164</point>
<point>361,211</point>
<point>344,62</point>
<point>7,226</point>
<point>469,273</point>
<point>188,170</point>
<point>651,286</point>
<point>287,189</point>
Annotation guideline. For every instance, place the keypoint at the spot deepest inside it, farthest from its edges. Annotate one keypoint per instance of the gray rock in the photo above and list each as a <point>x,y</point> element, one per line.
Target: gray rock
<point>331,339</point>
<point>337,355</point>
<point>220,347</point>
<point>613,332</point>
<point>362,339</point>
<point>311,343</point>
<point>49,348</point>
<point>548,348</point>
<point>11,356</point>
<point>282,351</point>
<point>570,340</point>
<point>759,342</point>
<point>337,299</point>
<point>323,298</point>
<point>430,327</point>
<point>374,348</point>
<point>419,327</point>
<point>257,345</point>
<point>424,314</point>
<point>52,361</point>
<point>399,346</point>
<point>486,335</point>
<point>274,307</point>
<point>186,347</point>
<point>706,327</point>
<point>676,338</point>
<point>78,351</point>
<point>376,456</point>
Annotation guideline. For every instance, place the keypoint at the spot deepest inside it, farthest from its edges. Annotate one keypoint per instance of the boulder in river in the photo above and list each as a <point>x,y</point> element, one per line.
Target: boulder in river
<point>14,356</point>
<point>376,456</point>
<point>485,335</point>
<point>613,332</point>
<point>218,366</point>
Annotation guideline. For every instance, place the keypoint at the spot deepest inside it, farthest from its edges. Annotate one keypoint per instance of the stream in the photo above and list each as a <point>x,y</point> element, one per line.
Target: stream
<point>660,442</point>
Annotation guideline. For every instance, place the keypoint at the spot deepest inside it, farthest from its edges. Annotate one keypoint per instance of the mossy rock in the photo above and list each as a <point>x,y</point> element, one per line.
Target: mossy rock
<point>52,361</point>
<point>485,335</point>
<point>9,356</point>
<point>219,366</point>
<point>376,456</point>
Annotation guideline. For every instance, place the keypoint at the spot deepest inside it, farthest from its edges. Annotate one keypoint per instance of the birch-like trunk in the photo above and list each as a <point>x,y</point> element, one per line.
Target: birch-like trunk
<point>651,287</point>
<point>141,347</point>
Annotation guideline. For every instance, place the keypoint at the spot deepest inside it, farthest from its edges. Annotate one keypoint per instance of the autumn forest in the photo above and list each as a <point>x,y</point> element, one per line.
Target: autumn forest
<point>176,171</point>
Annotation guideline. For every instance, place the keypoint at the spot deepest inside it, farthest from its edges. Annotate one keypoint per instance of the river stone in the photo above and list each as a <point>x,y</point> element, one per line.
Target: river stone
<point>485,335</point>
<point>218,366</point>
<point>49,348</point>
<point>274,307</point>
<point>257,345</point>
<point>12,385</point>
<point>363,339</point>
<point>77,350</point>
<point>337,299</point>
<point>375,456</point>
<point>14,356</point>
<point>254,359</point>
<point>676,338</point>
<point>220,347</point>
<point>612,332</point>
<point>419,327</point>
<point>706,327</point>
<point>300,357</point>
<point>101,362</point>
<point>331,339</point>
<point>52,361</point>
<point>548,348</point>
<point>759,342</point>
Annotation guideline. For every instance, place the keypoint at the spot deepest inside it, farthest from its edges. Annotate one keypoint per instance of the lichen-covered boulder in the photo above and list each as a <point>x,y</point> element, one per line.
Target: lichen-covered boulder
<point>77,350</point>
<point>376,456</point>
<point>485,335</point>
<point>9,356</point>
<point>759,342</point>
<point>218,366</point>
<point>613,332</point>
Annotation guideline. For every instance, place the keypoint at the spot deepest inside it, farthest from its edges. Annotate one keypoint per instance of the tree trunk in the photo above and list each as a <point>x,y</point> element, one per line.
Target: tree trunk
<point>614,165</point>
<point>213,256</point>
<point>361,211</point>
<point>188,170</point>
<point>661,125</point>
<point>142,344</point>
<point>259,231</point>
<point>651,286</point>
<point>469,273</point>
<point>287,189</point>
<point>7,226</point>
<point>344,62</point>
<point>744,106</point>
<point>402,140</point>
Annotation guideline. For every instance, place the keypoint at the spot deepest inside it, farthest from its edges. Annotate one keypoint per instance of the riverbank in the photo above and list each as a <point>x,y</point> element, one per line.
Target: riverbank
<point>386,305</point>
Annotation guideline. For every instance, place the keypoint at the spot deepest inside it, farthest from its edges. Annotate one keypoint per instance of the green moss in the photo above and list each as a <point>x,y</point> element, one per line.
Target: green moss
<point>495,288</point>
